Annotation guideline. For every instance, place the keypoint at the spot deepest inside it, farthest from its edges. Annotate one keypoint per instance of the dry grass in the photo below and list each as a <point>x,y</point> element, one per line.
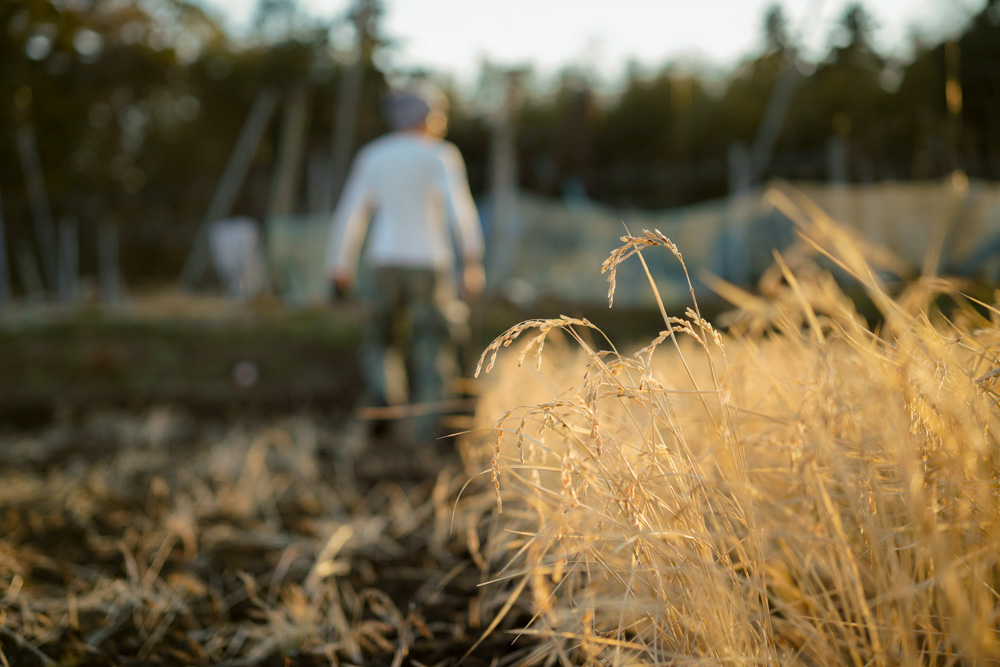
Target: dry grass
<point>801,490</point>
<point>152,539</point>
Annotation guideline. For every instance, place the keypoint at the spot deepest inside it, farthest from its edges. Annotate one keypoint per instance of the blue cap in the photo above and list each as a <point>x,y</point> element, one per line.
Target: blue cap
<point>409,107</point>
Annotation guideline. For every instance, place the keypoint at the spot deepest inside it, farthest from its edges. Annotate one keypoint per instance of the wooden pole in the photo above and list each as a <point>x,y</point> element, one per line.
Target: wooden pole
<point>38,202</point>
<point>836,166</point>
<point>774,117</point>
<point>69,260</point>
<point>317,174</point>
<point>27,268</point>
<point>505,229</point>
<point>735,253</point>
<point>348,96</point>
<point>836,159</point>
<point>288,171</point>
<point>287,174</point>
<point>4,264</point>
<point>229,185</point>
<point>740,169</point>
<point>953,100</point>
<point>107,262</point>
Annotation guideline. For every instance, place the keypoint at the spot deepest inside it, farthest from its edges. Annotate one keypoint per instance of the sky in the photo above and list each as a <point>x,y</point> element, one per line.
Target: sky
<point>454,36</point>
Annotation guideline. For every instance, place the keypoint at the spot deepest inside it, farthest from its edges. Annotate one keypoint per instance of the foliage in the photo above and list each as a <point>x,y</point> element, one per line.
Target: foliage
<point>664,139</point>
<point>136,108</point>
<point>120,93</point>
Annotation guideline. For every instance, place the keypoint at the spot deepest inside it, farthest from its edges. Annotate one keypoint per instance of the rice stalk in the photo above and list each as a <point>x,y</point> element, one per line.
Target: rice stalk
<point>802,489</point>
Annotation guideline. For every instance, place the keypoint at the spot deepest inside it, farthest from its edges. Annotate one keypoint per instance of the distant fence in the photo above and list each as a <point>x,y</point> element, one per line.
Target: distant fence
<point>559,246</point>
<point>296,250</point>
<point>562,246</point>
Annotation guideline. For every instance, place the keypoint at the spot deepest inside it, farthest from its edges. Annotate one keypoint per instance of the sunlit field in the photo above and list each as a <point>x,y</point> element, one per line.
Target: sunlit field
<point>806,488</point>
<point>794,483</point>
<point>429,333</point>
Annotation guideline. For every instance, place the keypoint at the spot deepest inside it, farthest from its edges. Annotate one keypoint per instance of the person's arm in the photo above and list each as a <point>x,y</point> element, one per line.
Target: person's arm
<point>349,226</point>
<point>464,218</point>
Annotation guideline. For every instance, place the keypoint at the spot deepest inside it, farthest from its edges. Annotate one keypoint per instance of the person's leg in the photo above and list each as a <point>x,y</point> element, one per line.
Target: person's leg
<point>386,301</point>
<point>430,349</point>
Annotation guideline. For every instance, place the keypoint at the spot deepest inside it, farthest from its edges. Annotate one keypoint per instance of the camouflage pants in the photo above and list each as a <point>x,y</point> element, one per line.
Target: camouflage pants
<point>416,315</point>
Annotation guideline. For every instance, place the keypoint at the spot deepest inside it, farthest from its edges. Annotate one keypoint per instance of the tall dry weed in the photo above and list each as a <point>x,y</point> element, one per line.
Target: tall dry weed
<point>803,489</point>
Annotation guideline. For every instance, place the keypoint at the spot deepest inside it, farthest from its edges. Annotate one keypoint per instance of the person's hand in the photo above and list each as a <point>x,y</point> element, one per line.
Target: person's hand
<point>342,283</point>
<point>473,280</point>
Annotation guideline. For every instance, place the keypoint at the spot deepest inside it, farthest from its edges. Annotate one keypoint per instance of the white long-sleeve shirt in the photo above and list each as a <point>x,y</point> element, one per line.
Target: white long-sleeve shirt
<point>413,189</point>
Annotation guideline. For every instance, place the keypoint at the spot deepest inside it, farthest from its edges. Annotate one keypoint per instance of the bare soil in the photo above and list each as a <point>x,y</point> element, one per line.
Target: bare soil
<point>156,512</point>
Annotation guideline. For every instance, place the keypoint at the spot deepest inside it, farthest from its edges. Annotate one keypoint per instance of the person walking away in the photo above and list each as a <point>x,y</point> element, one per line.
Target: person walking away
<point>409,193</point>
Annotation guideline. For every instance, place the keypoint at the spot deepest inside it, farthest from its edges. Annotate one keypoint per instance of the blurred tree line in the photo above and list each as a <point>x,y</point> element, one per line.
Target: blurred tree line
<point>669,137</point>
<point>130,111</point>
